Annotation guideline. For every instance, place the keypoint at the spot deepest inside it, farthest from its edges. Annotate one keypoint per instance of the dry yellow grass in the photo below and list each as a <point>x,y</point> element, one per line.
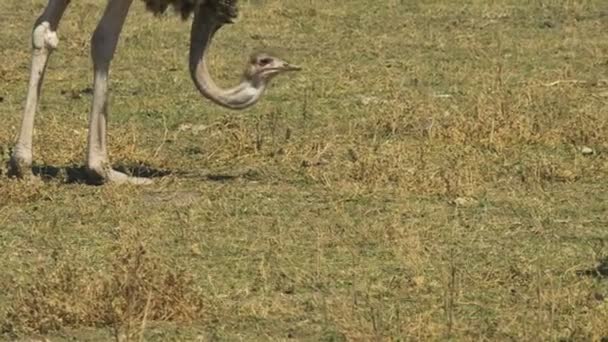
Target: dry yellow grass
<point>422,179</point>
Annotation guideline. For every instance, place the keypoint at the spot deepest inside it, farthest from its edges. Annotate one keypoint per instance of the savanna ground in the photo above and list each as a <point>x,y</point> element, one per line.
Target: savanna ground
<point>438,171</point>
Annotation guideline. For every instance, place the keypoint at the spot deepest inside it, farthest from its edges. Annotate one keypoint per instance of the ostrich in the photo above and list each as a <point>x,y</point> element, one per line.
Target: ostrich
<point>209,16</point>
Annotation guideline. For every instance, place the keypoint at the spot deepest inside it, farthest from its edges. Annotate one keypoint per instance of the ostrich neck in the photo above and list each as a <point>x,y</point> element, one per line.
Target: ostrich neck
<point>241,96</point>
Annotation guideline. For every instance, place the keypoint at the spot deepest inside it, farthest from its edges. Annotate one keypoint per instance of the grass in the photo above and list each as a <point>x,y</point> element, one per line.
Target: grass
<point>422,179</point>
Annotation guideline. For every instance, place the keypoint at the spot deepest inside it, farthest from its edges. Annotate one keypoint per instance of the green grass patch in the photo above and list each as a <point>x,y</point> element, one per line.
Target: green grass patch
<point>423,178</point>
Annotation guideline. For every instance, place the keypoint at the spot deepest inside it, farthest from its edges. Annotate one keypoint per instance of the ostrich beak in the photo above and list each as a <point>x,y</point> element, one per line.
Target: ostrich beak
<point>290,67</point>
<point>282,66</point>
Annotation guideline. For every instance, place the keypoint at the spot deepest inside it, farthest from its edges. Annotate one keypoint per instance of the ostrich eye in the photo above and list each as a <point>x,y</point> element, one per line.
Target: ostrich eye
<point>265,61</point>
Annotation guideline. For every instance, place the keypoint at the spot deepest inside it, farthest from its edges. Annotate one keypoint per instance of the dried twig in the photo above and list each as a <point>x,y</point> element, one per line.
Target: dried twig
<point>162,143</point>
<point>558,82</point>
<point>602,82</point>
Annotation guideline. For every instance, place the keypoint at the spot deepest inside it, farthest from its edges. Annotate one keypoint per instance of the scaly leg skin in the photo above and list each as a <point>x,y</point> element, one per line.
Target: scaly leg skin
<point>103,46</point>
<point>44,41</point>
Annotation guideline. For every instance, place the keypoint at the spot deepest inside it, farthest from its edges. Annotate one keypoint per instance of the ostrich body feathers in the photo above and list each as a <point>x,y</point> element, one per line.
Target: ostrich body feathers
<point>225,8</point>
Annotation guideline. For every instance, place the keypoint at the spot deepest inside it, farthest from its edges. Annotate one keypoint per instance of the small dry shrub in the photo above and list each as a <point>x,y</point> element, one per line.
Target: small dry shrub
<point>136,289</point>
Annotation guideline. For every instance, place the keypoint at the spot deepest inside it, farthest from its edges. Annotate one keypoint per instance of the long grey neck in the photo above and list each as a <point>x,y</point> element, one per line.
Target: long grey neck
<point>239,97</point>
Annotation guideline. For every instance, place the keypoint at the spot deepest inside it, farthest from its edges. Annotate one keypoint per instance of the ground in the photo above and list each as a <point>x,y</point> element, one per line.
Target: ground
<point>437,171</point>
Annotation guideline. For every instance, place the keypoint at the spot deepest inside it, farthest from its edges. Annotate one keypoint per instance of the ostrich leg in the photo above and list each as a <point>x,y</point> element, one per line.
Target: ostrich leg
<point>44,41</point>
<point>103,46</point>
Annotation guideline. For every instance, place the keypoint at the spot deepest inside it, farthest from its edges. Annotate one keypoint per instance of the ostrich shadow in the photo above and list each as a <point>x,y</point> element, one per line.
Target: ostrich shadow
<point>600,271</point>
<point>76,174</point>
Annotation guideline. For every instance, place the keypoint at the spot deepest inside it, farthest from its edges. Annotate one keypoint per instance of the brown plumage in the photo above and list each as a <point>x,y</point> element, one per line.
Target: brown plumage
<point>225,8</point>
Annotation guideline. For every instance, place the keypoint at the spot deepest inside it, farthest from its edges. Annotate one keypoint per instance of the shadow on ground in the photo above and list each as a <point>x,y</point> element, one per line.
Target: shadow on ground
<point>600,271</point>
<point>77,174</point>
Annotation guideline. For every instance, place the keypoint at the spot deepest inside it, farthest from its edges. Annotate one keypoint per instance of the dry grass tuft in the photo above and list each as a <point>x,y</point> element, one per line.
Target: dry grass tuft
<point>135,289</point>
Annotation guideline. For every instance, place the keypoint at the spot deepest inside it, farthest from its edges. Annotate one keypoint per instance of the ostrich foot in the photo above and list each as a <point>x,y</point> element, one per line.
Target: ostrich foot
<point>20,165</point>
<point>102,175</point>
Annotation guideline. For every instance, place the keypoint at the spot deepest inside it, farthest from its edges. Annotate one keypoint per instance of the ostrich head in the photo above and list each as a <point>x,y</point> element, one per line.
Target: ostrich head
<point>260,69</point>
<point>263,67</point>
